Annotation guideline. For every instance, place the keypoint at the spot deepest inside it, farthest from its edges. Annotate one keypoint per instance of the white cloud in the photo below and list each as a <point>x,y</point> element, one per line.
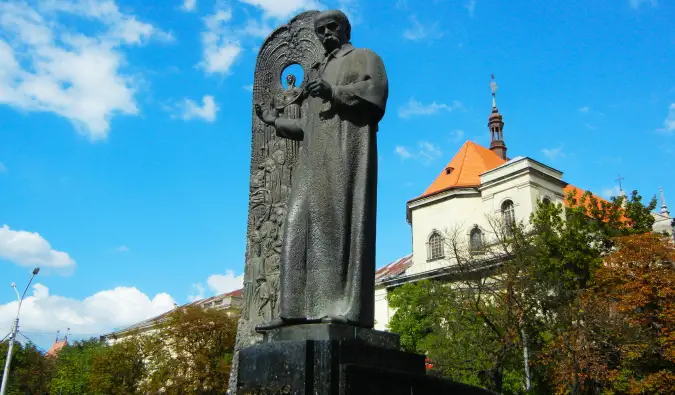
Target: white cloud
<point>199,293</point>
<point>553,153</point>
<point>100,313</point>
<point>189,5</point>
<point>122,27</point>
<point>189,109</point>
<point>457,135</point>
<point>48,66</point>
<point>282,9</point>
<point>30,249</point>
<point>248,87</point>
<point>429,151</point>
<point>471,7</point>
<point>426,152</point>
<point>669,122</point>
<point>122,248</point>
<point>610,192</point>
<point>351,9</point>
<point>3,168</point>
<point>217,284</point>
<point>225,283</point>
<point>221,49</point>
<point>584,109</point>
<point>419,31</point>
<point>402,152</point>
<point>257,29</point>
<point>415,108</point>
<point>637,3</point>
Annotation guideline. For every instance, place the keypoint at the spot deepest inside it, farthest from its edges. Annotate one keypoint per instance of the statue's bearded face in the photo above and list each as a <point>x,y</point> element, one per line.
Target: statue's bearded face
<point>331,30</point>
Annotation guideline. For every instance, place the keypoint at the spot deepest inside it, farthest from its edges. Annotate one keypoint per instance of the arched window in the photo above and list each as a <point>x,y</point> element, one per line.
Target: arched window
<point>435,247</point>
<point>476,239</point>
<point>508,214</point>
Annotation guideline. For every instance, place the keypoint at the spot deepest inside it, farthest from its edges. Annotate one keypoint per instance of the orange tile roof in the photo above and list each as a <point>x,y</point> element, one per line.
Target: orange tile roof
<point>466,167</point>
<point>578,193</point>
<point>56,347</point>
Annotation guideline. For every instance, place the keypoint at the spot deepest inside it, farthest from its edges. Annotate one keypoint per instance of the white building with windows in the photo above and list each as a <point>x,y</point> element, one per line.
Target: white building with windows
<point>478,184</point>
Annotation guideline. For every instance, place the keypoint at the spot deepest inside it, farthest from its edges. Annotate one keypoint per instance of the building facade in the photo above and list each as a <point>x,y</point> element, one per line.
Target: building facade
<point>479,189</point>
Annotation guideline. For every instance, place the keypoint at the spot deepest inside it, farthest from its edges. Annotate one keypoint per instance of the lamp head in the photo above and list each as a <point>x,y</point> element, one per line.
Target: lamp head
<point>36,271</point>
<point>13,285</point>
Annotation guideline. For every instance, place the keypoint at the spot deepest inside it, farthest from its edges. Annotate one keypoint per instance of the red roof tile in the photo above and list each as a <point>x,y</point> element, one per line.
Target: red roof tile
<point>236,293</point>
<point>393,269</point>
<point>465,168</point>
<point>56,348</point>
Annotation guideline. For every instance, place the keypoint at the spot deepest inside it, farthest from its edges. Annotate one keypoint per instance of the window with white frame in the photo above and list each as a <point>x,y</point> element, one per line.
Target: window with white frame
<point>476,239</point>
<point>508,215</point>
<point>435,246</point>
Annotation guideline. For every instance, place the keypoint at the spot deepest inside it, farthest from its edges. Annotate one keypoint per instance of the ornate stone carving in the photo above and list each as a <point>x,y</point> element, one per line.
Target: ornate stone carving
<point>272,163</point>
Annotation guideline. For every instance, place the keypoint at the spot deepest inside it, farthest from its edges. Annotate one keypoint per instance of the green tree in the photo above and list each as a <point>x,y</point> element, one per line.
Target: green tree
<point>469,323</point>
<point>414,319</point>
<point>624,343</point>
<point>72,367</point>
<point>30,371</point>
<point>119,369</point>
<point>191,353</point>
<point>567,245</point>
<point>519,291</point>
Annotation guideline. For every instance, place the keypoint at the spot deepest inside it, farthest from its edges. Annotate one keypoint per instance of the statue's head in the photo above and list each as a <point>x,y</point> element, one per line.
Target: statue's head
<point>333,29</point>
<point>290,80</point>
<point>279,156</point>
<point>281,213</point>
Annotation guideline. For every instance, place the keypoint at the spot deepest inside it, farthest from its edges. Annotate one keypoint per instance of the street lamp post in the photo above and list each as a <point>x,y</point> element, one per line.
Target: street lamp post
<point>15,328</point>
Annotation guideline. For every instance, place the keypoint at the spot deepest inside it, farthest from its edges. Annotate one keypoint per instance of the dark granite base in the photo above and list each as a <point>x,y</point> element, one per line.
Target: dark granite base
<point>334,362</point>
<point>335,332</point>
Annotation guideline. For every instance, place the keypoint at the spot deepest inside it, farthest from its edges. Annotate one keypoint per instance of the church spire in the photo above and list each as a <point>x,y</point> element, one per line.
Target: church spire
<point>496,125</point>
<point>622,194</point>
<point>664,208</point>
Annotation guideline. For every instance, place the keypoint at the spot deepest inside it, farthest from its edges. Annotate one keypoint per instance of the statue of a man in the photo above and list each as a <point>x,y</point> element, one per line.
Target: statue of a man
<point>327,258</point>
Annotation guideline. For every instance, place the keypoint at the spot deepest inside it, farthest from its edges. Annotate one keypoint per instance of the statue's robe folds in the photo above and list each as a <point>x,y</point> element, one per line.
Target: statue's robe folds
<point>328,252</point>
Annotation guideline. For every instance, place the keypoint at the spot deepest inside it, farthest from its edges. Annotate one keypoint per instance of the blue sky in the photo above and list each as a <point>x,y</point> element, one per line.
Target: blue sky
<point>125,129</point>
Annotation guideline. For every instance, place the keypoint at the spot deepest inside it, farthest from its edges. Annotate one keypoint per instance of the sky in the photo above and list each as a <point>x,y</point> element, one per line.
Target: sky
<point>125,130</point>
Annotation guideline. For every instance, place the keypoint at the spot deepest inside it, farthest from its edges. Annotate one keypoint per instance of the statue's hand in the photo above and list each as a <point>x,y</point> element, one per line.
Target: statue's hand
<point>269,116</point>
<point>320,88</point>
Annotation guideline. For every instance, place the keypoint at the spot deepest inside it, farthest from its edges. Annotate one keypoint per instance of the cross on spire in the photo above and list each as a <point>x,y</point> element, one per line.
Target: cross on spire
<point>493,86</point>
<point>619,179</point>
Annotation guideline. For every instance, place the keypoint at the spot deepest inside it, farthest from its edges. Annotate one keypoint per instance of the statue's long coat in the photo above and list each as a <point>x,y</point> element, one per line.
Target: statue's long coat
<point>328,252</point>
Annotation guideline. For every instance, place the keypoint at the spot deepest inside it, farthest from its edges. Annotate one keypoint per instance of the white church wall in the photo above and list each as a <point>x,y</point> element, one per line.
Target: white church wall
<point>461,212</point>
<point>383,312</point>
<point>522,181</point>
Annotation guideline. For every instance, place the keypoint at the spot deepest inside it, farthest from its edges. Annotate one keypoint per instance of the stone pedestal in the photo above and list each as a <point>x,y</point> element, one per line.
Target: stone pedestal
<point>326,359</point>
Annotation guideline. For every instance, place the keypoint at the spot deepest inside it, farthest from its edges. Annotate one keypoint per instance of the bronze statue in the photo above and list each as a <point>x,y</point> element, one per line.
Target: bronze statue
<point>327,262</point>
<point>289,101</point>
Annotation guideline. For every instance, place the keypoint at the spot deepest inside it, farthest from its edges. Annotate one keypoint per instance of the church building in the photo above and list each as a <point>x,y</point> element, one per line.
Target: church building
<point>479,183</point>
